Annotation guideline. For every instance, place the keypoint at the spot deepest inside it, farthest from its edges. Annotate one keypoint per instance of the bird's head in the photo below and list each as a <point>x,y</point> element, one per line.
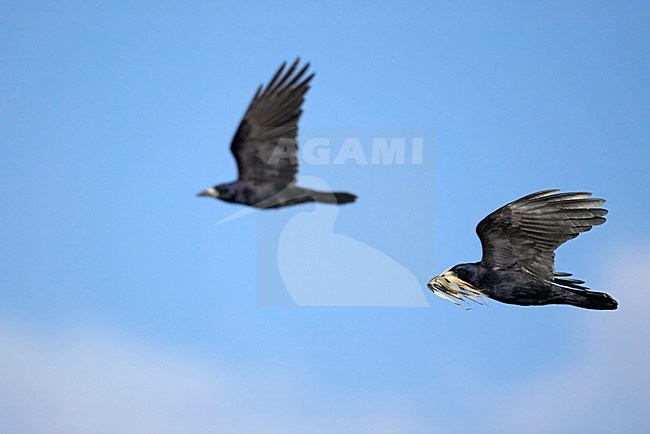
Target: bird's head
<point>455,285</point>
<point>218,192</point>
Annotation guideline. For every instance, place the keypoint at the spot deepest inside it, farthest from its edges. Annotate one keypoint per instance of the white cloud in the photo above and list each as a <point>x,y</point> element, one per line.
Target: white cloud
<point>92,382</point>
<point>605,388</point>
<point>88,380</point>
<point>98,382</point>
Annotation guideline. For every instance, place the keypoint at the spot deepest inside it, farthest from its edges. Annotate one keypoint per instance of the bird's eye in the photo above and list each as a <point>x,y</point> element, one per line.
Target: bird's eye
<point>457,271</point>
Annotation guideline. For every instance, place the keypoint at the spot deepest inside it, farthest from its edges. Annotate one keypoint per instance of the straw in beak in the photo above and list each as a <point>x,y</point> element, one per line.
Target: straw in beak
<point>449,287</point>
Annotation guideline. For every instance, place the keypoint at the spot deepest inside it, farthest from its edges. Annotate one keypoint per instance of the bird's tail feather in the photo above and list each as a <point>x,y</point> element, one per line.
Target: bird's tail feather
<point>589,299</point>
<point>332,197</point>
<point>308,196</point>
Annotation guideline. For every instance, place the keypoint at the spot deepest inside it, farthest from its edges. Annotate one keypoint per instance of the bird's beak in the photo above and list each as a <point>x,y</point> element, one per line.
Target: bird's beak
<point>449,287</point>
<point>210,192</point>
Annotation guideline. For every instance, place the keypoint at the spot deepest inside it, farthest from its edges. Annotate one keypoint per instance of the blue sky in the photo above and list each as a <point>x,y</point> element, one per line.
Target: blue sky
<point>124,306</point>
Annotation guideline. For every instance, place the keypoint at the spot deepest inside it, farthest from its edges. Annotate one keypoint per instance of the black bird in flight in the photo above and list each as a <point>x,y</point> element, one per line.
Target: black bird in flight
<point>517,267</point>
<point>265,147</point>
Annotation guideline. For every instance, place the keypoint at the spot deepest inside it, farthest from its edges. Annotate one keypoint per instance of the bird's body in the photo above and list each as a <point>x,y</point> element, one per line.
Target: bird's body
<point>518,242</point>
<point>273,195</point>
<point>265,148</point>
<point>520,287</point>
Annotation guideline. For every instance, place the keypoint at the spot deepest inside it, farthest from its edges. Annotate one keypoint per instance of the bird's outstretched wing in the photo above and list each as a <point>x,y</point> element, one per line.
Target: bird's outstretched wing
<point>265,143</point>
<point>526,232</point>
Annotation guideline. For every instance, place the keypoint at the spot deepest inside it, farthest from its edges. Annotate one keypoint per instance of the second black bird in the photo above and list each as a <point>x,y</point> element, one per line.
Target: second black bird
<point>265,147</point>
<point>518,263</point>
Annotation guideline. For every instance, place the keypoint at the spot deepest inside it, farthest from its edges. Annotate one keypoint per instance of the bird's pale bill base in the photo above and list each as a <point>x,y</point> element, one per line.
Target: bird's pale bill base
<point>210,192</point>
<point>449,287</point>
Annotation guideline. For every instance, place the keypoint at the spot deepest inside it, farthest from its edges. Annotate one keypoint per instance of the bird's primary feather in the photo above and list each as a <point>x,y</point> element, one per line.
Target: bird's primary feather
<point>526,232</point>
<point>265,145</point>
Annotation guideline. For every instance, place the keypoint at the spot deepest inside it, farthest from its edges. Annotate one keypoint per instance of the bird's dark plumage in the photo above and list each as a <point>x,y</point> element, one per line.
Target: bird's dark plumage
<point>265,147</point>
<point>518,263</point>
